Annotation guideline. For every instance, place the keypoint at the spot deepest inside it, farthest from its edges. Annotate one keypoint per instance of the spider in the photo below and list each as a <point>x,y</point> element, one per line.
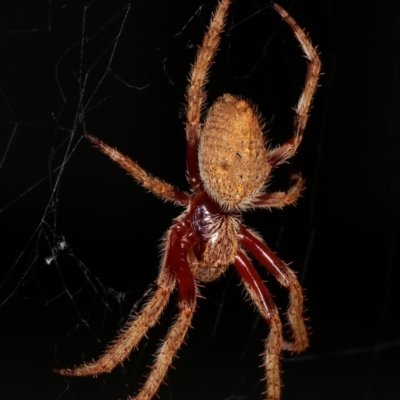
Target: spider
<point>228,166</point>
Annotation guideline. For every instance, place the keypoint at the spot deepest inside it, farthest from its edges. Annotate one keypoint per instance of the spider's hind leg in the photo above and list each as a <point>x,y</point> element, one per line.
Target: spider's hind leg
<point>196,94</point>
<point>280,154</point>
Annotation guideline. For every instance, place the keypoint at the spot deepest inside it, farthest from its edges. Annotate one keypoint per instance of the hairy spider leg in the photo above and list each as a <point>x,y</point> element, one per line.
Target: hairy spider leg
<point>266,306</point>
<point>287,278</point>
<point>176,268</point>
<point>129,337</point>
<point>196,94</point>
<point>160,188</point>
<point>280,154</point>
<point>282,199</point>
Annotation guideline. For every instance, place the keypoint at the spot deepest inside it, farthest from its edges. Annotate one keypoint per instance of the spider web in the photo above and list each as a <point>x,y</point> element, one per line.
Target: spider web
<point>79,240</point>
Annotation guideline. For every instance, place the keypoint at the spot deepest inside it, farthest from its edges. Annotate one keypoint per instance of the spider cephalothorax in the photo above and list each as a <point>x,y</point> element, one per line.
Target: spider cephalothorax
<point>228,167</point>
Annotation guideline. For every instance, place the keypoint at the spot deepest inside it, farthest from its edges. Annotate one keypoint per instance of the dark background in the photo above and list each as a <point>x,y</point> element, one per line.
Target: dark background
<point>79,240</point>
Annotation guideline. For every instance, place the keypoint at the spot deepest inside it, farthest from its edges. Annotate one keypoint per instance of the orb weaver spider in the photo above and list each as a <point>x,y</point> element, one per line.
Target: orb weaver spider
<point>228,165</point>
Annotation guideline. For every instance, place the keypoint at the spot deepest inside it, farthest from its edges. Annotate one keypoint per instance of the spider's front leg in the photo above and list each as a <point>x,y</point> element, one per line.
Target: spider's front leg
<point>286,277</point>
<point>175,269</point>
<point>263,300</point>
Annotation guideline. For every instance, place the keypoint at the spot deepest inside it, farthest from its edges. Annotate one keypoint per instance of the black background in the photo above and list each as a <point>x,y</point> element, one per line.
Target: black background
<point>342,238</point>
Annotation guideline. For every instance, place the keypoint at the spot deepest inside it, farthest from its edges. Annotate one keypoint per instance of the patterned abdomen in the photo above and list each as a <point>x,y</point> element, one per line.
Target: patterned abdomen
<point>232,154</point>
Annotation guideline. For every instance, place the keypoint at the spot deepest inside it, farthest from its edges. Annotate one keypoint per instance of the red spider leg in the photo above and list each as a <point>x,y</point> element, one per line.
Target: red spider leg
<point>281,154</point>
<point>176,267</point>
<point>282,199</point>
<point>286,277</point>
<point>195,96</point>
<point>263,300</point>
<point>120,348</point>
<point>157,186</point>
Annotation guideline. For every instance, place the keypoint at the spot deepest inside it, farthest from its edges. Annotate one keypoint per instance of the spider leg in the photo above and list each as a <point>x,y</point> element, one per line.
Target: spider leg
<point>281,199</point>
<point>127,339</point>
<point>286,277</point>
<point>179,244</point>
<point>158,187</point>
<point>281,154</point>
<point>174,267</point>
<point>196,96</point>
<point>263,300</point>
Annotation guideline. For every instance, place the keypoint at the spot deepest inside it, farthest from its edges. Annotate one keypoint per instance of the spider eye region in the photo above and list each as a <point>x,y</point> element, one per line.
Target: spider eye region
<point>232,153</point>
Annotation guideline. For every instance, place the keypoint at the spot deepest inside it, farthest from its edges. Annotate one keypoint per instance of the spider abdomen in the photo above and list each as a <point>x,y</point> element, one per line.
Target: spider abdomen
<point>232,154</point>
